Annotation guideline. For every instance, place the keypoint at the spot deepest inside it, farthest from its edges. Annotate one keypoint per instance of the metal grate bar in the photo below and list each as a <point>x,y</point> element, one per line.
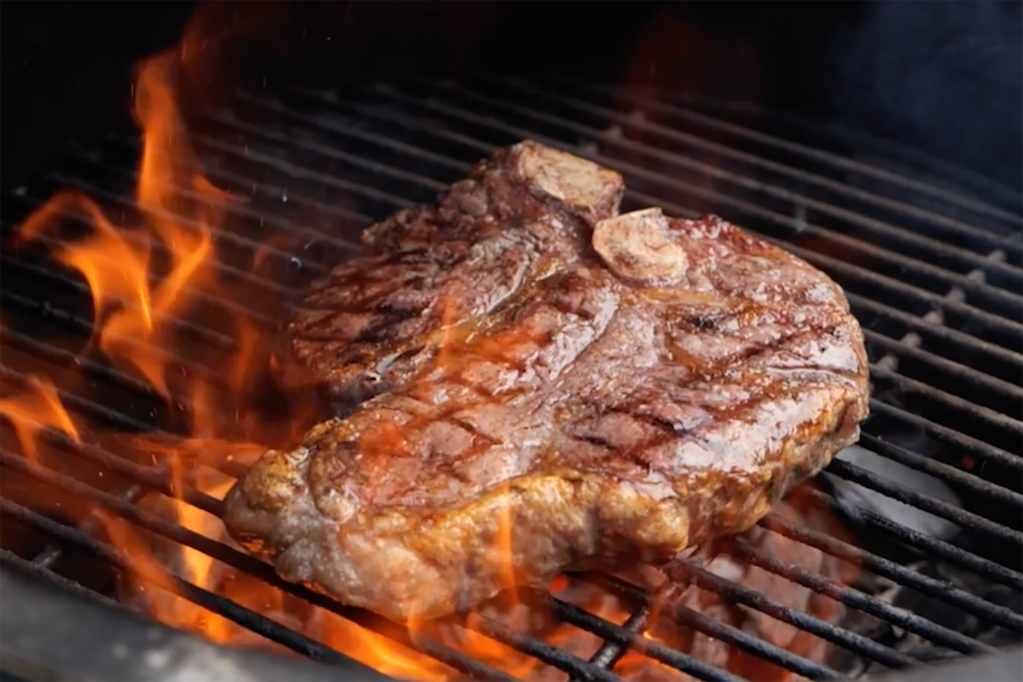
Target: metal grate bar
<point>130,235</point>
<point>942,471</point>
<point>335,124</point>
<point>94,158</point>
<point>965,443</point>
<point>611,652</point>
<point>207,335</point>
<point>638,121</point>
<point>39,572</point>
<point>933,587</point>
<point>682,570</point>
<point>58,356</point>
<point>49,556</point>
<point>154,478</point>
<point>968,375</point>
<point>933,546</point>
<point>878,228</point>
<point>231,557</point>
<point>932,393</point>
<point>815,154</point>
<point>227,116</point>
<point>630,169</point>
<point>563,660</point>
<point>1005,333</point>
<point>256,567</point>
<point>1002,327</point>
<point>130,203</point>
<point>197,595</point>
<point>991,418</point>
<point>863,602</point>
<point>919,354</point>
<point>961,345</point>
<point>965,519</point>
<point>722,631</point>
<point>103,413</point>
<point>143,240</point>
<point>625,636</point>
<point>303,172</point>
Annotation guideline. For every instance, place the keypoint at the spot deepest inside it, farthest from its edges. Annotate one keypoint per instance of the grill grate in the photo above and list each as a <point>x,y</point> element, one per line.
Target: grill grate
<point>934,274</point>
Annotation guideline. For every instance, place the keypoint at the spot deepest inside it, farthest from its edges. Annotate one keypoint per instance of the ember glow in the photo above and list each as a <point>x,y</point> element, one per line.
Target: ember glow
<point>144,273</point>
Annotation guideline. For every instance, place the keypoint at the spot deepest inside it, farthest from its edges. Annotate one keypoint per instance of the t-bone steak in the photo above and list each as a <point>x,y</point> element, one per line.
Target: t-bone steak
<point>527,381</point>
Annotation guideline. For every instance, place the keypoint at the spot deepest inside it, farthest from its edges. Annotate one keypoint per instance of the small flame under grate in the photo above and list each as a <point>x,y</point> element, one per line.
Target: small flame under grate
<point>908,554</point>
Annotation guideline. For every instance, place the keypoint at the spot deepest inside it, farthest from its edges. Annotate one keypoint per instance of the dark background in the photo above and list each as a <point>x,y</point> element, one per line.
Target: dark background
<point>944,77</point>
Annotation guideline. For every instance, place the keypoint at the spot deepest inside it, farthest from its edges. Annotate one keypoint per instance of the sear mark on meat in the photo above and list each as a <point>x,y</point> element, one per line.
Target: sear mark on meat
<point>614,388</point>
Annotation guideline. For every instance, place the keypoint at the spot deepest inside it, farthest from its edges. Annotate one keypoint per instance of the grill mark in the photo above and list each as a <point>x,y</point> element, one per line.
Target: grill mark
<point>660,423</point>
<point>471,428</point>
<point>596,440</point>
<point>406,354</point>
<point>635,456</point>
<point>389,316</point>
<point>419,277</point>
<point>719,368</point>
<point>459,380</point>
<point>452,471</point>
<point>632,454</point>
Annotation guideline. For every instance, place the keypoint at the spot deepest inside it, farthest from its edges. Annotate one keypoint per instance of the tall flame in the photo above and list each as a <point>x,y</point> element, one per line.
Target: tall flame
<point>179,205</point>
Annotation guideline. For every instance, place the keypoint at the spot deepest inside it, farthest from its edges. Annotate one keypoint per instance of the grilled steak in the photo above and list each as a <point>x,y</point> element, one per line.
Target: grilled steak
<point>529,382</point>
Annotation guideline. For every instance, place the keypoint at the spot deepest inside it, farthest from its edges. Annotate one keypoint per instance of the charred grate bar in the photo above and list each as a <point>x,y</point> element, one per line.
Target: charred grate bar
<point>938,291</point>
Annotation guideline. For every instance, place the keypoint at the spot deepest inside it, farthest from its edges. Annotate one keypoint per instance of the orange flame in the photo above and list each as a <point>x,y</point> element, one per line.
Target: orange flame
<point>36,408</point>
<point>179,208</point>
<point>115,260</point>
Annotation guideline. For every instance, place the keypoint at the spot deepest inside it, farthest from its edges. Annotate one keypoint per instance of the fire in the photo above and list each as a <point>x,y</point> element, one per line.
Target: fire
<point>37,407</point>
<point>179,206</point>
<point>144,272</point>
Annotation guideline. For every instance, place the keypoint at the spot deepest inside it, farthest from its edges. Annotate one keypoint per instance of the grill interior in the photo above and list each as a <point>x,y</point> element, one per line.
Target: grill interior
<point>931,259</point>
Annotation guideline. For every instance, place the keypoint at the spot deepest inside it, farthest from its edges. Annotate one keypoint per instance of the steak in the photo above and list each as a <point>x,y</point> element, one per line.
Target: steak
<point>527,381</point>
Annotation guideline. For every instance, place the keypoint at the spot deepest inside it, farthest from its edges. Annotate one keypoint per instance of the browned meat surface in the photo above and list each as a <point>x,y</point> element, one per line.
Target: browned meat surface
<point>529,374</point>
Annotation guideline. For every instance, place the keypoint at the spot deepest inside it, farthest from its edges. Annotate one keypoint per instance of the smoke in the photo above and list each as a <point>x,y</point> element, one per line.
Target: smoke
<point>945,77</point>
